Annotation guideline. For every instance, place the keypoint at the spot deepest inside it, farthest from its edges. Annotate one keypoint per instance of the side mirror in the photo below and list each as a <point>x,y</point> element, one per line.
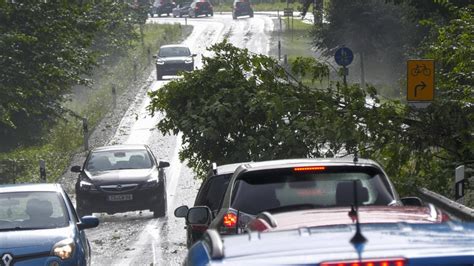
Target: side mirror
<point>76,169</point>
<point>200,216</point>
<point>163,164</point>
<point>194,55</point>
<point>181,211</point>
<point>154,56</point>
<point>88,222</point>
<point>412,201</point>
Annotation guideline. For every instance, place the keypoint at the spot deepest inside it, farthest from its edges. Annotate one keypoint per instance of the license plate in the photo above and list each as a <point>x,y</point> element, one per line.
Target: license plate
<point>122,197</point>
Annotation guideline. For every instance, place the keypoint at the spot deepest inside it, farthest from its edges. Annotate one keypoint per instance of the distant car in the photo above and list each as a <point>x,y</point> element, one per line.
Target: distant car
<point>241,8</point>
<point>388,244</point>
<point>182,9</point>
<point>161,7</point>
<point>171,59</point>
<point>121,178</point>
<point>39,226</point>
<point>210,194</point>
<point>296,184</point>
<point>201,7</point>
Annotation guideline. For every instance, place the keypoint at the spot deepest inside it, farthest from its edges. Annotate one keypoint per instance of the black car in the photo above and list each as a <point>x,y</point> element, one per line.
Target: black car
<point>121,178</point>
<point>182,9</point>
<point>172,59</point>
<point>210,195</point>
<point>241,8</point>
<point>296,184</point>
<point>201,7</point>
<point>162,7</point>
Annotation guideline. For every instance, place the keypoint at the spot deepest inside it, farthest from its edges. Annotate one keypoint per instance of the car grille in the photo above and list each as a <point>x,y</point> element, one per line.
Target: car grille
<point>119,188</point>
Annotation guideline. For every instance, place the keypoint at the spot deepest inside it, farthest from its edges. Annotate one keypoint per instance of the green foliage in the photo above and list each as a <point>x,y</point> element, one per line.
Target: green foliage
<point>65,137</point>
<point>46,48</point>
<point>242,107</point>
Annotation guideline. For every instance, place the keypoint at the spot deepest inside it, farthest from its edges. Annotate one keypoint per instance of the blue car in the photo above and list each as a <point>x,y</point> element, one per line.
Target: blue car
<point>39,226</point>
<point>383,244</point>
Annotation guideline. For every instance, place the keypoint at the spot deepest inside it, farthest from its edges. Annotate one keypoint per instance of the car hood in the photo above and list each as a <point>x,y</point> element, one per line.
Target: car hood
<point>120,176</point>
<point>37,241</point>
<point>335,216</point>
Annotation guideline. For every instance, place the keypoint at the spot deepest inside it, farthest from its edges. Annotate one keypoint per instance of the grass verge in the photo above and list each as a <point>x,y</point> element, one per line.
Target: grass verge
<point>66,138</point>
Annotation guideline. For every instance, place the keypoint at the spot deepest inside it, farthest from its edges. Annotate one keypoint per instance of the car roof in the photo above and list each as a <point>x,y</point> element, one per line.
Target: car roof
<point>174,46</point>
<point>287,163</point>
<point>122,147</point>
<point>30,187</point>
<point>331,243</point>
<point>228,168</point>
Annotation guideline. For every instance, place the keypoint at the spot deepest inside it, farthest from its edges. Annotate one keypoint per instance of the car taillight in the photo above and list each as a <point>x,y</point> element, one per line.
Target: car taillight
<point>309,168</point>
<point>230,220</point>
<point>384,262</point>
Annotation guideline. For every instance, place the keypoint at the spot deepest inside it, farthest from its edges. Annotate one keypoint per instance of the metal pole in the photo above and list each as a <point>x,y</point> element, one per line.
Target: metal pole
<point>344,74</point>
<point>42,166</point>
<point>279,50</point>
<point>85,130</point>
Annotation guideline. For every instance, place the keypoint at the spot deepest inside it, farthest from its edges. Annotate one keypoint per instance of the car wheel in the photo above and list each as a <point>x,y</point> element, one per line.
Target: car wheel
<point>174,15</point>
<point>168,14</point>
<point>161,209</point>
<point>251,15</point>
<point>159,14</point>
<point>212,14</point>
<point>207,14</point>
<point>234,16</point>
<point>180,15</point>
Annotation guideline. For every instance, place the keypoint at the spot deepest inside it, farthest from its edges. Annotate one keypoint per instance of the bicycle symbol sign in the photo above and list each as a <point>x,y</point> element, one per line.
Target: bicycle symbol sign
<point>420,80</point>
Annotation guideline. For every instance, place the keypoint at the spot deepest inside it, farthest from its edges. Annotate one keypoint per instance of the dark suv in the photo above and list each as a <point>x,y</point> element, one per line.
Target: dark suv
<point>210,196</point>
<point>162,7</point>
<point>241,8</point>
<point>201,7</point>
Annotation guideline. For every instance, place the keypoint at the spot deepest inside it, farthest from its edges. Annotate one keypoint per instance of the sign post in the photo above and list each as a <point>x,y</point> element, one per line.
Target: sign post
<point>420,82</point>
<point>344,57</point>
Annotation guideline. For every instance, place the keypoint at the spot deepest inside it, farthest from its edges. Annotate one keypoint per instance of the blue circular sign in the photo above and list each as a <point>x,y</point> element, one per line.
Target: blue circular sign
<point>344,56</point>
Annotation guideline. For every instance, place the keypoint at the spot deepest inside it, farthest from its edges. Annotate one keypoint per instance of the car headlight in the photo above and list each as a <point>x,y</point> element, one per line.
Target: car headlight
<point>160,62</point>
<point>64,249</point>
<point>86,186</point>
<point>152,182</point>
<point>188,61</point>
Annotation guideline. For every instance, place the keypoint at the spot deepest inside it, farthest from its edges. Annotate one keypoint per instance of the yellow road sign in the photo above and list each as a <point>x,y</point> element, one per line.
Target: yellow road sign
<point>420,80</point>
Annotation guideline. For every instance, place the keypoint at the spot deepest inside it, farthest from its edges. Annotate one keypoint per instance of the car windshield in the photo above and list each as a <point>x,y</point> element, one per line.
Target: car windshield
<point>117,160</point>
<point>285,190</point>
<point>174,51</point>
<point>32,210</point>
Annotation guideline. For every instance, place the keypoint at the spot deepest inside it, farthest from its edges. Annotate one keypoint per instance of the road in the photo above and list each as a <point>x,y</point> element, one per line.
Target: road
<point>136,238</point>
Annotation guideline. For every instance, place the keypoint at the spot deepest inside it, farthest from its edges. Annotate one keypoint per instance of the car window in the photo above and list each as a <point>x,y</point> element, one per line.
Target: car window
<point>212,192</point>
<point>282,190</point>
<point>116,160</point>
<point>174,51</point>
<point>32,210</point>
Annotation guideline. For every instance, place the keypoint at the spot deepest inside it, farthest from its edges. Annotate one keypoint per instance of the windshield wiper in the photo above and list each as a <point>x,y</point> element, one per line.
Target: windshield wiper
<point>19,228</point>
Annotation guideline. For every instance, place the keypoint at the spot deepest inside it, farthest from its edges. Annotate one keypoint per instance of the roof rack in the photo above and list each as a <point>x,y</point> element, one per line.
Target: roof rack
<point>214,168</point>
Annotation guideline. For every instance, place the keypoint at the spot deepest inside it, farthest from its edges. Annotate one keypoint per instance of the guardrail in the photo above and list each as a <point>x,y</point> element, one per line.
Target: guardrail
<point>451,207</point>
